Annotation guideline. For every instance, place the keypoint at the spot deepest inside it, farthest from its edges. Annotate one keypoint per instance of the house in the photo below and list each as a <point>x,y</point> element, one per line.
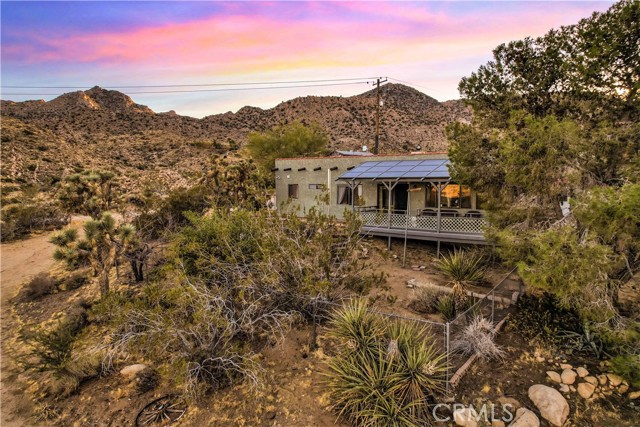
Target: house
<point>407,196</point>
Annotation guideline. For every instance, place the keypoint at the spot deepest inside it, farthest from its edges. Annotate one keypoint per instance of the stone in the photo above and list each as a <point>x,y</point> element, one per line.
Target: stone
<point>554,376</point>
<point>465,417</point>
<point>602,379</point>
<point>513,403</point>
<point>582,372</point>
<point>132,370</point>
<point>550,403</point>
<point>540,359</point>
<point>585,390</point>
<point>591,380</point>
<point>624,387</point>
<point>525,418</point>
<point>614,379</point>
<point>634,395</point>
<point>564,366</point>
<point>564,388</point>
<point>568,376</point>
<point>572,388</point>
<point>411,283</point>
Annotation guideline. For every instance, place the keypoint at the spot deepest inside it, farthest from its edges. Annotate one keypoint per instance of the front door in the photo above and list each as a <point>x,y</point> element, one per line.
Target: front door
<point>400,197</point>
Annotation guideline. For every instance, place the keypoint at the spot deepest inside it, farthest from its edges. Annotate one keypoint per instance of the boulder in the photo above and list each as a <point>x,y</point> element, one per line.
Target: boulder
<point>525,418</point>
<point>591,380</point>
<point>624,387</point>
<point>550,403</point>
<point>564,366</point>
<point>554,376</point>
<point>585,390</point>
<point>132,370</point>
<point>564,388</point>
<point>614,379</point>
<point>568,376</point>
<point>634,395</point>
<point>602,379</point>
<point>465,417</point>
<point>513,403</point>
<point>582,372</point>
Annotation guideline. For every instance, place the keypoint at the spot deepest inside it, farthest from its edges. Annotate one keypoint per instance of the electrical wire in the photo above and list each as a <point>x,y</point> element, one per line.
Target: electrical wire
<point>201,90</point>
<point>191,85</point>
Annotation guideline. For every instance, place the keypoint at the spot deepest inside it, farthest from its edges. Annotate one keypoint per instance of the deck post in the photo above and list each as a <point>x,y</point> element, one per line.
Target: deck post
<point>439,187</point>
<point>406,226</point>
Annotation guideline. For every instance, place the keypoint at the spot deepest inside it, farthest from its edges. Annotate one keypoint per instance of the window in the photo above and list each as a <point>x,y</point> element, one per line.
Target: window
<point>316,186</point>
<point>456,196</point>
<point>293,191</point>
<point>431,198</point>
<point>345,194</point>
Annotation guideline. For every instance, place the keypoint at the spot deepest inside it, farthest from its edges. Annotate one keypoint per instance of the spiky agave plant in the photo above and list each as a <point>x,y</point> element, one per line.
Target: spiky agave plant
<point>360,388</point>
<point>462,268</point>
<point>419,367</point>
<point>388,379</point>
<point>356,328</point>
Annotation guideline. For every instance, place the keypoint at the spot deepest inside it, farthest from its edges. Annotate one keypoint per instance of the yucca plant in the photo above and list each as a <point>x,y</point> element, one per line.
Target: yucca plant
<point>390,378</point>
<point>462,269</point>
<point>356,327</point>
<point>447,307</point>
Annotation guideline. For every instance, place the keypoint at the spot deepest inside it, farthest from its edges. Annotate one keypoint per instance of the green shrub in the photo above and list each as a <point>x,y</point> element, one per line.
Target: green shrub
<point>542,317</point>
<point>385,373</point>
<point>446,306</point>
<point>426,300</point>
<point>51,361</point>
<point>628,367</point>
<point>29,215</point>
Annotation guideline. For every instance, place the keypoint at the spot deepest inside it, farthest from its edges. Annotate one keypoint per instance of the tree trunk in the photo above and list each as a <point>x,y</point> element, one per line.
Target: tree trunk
<point>104,281</point>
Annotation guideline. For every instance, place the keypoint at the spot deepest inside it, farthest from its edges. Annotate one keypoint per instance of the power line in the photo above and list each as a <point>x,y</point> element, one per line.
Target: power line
<point>208,90</point>
<point>413,84</point>
<point>192,85</point>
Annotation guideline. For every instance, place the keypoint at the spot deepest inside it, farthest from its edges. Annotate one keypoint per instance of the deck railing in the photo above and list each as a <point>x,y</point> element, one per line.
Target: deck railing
<point>399,219</point>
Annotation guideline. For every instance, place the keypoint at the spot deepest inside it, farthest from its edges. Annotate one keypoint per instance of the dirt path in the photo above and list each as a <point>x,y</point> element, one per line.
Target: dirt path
<point>19,261</point>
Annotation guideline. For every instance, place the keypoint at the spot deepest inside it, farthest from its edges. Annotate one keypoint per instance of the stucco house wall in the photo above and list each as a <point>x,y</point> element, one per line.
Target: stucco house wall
<point>309,173</point>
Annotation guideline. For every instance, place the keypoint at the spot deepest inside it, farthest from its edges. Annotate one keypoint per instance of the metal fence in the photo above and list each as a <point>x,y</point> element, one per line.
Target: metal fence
<point>492,305</point>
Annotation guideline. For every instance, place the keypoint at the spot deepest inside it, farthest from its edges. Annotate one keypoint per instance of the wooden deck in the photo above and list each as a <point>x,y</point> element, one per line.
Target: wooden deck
<point>462,230</point>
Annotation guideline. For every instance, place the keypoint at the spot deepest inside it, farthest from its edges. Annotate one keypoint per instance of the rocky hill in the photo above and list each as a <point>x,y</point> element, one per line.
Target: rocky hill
<point>107,129</point>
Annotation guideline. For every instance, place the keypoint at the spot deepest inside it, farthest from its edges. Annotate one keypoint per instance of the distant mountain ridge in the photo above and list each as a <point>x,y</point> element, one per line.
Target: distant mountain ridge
<point>106,128</point>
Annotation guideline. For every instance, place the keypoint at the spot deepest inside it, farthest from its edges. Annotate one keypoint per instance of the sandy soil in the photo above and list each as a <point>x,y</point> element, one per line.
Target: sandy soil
<point>19,261</point>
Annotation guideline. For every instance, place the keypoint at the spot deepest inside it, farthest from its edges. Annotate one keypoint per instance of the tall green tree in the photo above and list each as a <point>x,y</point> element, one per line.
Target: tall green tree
<point>557,118</point>
<point>294,140</point>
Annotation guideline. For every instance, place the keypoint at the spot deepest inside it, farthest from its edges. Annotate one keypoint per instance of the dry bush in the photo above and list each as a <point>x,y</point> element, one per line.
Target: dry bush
<point>41,285</point>
<point>478,337</point>
<point>28,215</point>
<point>75,280</point>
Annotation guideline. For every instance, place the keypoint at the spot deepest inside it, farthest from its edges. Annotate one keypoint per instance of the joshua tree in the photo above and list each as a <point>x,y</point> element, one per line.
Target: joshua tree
<point>103,243</point>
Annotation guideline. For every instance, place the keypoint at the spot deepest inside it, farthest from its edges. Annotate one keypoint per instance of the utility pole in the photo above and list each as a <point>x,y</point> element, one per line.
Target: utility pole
<point>377,137</point>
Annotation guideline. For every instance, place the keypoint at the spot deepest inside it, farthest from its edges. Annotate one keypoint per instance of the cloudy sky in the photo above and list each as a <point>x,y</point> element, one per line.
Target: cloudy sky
<point>50,45</point>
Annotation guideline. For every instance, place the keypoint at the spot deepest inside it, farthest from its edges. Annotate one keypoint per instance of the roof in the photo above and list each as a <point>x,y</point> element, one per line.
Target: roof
<point>399,169</point>
<point>421,153</point>
<point>354,153</point>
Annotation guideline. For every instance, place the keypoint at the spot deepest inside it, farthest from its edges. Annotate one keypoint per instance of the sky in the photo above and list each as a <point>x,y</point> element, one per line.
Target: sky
<point>430,45</point>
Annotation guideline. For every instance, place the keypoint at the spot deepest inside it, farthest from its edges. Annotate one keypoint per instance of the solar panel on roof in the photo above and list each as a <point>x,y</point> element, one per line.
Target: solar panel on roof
<point>398,169</point>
